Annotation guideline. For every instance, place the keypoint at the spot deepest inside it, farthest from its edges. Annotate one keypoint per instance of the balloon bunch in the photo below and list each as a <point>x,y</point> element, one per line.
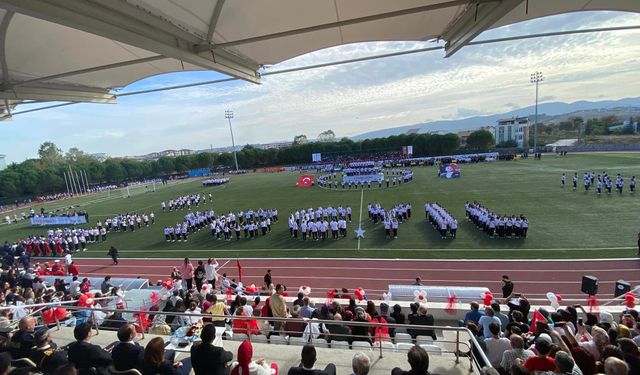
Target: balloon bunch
<point>360,294</point>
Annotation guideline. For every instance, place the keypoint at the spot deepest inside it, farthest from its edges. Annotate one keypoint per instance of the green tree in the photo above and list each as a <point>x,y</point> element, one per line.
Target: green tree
<point>480,140</point>
<point>300,140</point>
<point>327,136</point>
<point>50,154</point>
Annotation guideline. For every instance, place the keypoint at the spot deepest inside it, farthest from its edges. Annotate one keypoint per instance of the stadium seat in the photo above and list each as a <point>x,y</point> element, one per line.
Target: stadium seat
<point>404,346</point>
<point>386,345</point>
<point>432,349</point>
<point>320,343</point>
<point>131,371</point>
<point>360,345</point>
<point>279,340</point>
<point>339,344</point>
<point>23,363</point>
<point>403,337</point>
<point>424,340</point>
<point>239,337</point>
<point>259,338</point>
<point>297,341</point>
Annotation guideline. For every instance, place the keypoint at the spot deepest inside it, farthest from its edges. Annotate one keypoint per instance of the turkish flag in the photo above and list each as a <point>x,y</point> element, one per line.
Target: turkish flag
<point>306,180</point>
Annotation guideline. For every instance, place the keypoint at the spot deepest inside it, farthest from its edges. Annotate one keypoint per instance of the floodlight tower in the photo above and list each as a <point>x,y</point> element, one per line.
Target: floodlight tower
<point>536,78</point>
<point>229,115</point>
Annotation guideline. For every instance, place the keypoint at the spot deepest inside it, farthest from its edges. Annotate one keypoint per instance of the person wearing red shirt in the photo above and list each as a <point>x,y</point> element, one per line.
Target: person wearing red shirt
<point>58,272</point>
<point>541,362</point>
<point>73,269</point>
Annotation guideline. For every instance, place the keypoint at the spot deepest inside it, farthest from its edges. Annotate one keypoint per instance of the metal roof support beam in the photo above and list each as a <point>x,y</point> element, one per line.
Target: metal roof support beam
<point>214,20</point>
<point>84,71</point>
<point>478,17</point>
<point>125,24</point>
<point>59,93</point>
<point>353,21</point>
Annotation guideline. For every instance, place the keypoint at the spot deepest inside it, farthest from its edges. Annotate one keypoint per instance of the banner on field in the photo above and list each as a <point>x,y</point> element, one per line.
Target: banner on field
<point>407,151</point>
<point>451,170</point>
<point>58,220</point>
<point>316,157</point>
<point>306,180</point>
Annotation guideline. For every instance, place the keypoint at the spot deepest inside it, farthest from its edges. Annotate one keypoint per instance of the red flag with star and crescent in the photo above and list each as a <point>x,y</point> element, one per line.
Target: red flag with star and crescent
<point>306,180</point>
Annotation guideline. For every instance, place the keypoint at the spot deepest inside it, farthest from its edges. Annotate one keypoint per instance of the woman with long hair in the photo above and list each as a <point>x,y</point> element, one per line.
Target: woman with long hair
<point>155,362</point>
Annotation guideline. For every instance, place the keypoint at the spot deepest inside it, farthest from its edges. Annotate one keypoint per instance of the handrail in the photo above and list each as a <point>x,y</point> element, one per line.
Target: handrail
<point>55,304</point>
<point>458,330</point>
<point>621,297</point>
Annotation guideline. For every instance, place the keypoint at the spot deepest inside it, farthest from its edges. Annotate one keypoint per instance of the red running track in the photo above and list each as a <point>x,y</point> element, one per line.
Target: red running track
<point>534,278</point>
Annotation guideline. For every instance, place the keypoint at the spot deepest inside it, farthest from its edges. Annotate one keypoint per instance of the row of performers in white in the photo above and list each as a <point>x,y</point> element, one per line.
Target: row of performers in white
<point>322,213</point>
<point>185,201</point>
<point>316,229</point>
<point>441,219</point>
<point>510,226</point>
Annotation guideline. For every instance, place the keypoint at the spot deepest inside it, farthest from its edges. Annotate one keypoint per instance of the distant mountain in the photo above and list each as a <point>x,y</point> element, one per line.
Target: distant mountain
<point>546,111</point>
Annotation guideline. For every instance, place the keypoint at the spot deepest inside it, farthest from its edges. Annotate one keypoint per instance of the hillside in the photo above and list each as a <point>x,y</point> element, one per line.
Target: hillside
<point>547,112</point>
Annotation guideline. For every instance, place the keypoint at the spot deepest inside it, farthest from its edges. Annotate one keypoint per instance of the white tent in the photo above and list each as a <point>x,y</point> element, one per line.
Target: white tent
<point>80,50</point>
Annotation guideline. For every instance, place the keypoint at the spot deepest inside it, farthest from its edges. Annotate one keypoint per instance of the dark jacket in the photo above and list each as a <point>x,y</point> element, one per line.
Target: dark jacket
<point>424,320</point>
<point>21,344</point>
<point>49,359</point>
<point>165,368</point>
<point>209,359</point>
<point>302,371</point>
<point>127,356</point>
<point>85,355</point>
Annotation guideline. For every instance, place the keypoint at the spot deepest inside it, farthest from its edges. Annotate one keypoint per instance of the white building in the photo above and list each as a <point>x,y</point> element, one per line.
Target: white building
<point>3,162</point>
<point>513,129</point>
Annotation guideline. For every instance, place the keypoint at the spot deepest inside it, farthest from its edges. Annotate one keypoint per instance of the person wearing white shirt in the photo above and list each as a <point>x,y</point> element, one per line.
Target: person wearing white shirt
<point>496,345</point>
<point>210,271</point>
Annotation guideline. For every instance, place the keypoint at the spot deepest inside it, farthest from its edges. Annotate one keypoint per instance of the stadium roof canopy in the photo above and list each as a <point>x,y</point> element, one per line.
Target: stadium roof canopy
<point>80,50</point>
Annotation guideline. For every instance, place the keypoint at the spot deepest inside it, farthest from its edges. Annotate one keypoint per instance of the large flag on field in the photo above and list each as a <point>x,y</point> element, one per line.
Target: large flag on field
<point>306,180</point>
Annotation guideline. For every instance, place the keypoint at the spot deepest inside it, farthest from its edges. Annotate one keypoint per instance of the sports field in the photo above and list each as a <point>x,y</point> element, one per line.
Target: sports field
<point>563,223</point>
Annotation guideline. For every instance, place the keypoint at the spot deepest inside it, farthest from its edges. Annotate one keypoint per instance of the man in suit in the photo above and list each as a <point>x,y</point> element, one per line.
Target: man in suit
<point>423,319</point>
<point>207,358</point>
<point>308,359</point>
<point>418,360</point>
<point>127,354</point>
<point>46,354</point>
<point>84,355</point>
<point>23,340</point>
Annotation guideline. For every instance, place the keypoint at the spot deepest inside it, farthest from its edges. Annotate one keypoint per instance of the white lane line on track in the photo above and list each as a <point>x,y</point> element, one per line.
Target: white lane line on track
<point>515,260</point>
<point>383,268</point>
<point>376,279</point>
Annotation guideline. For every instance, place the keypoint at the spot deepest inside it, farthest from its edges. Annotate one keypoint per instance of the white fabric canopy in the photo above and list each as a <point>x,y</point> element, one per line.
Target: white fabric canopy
<point>80,50</point>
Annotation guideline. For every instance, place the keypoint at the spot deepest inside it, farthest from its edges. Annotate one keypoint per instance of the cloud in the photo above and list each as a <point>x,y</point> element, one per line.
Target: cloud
<point>351,98</point>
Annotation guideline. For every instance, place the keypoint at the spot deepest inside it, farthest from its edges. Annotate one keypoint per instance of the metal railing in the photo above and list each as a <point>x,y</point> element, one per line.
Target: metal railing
<point>462,348</point>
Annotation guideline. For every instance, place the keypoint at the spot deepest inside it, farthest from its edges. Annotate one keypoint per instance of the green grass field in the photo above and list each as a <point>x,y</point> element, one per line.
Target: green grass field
<point>563,223</point>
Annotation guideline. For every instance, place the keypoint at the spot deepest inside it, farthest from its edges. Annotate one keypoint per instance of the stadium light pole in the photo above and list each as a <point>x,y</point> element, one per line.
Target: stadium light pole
<point>536,78</point>
<point>229,115</point>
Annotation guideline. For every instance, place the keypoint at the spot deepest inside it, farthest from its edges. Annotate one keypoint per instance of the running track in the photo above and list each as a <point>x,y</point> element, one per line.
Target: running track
<point>534,278</point>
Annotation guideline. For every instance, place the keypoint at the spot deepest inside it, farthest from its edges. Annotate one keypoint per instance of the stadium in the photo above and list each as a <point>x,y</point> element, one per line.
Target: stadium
<point>419,252</point>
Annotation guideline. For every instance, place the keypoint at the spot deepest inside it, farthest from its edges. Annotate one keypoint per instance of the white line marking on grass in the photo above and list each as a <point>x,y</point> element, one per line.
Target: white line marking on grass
<point>360,220</point>
<point>379,249</point>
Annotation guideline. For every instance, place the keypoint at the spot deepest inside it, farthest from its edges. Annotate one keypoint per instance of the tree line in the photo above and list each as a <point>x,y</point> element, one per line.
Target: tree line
<point>44,175</point>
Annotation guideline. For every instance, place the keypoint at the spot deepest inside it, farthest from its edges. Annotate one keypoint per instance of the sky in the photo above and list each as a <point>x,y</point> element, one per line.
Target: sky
<point>349,99</point>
